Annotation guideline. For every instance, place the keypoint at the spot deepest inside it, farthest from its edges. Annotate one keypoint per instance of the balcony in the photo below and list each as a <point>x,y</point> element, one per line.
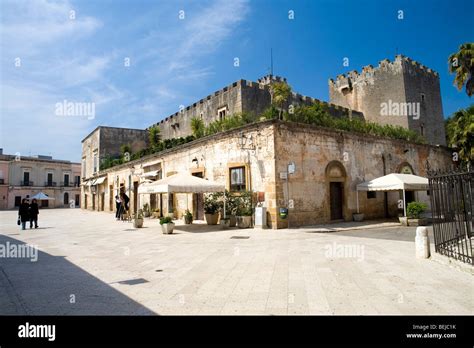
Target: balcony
<point>50,184</point>
<point>26,183</point>
<point>66,183</point>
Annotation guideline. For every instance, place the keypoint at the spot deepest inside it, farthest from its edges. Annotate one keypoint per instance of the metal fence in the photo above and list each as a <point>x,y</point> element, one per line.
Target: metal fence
<point>452,204</point>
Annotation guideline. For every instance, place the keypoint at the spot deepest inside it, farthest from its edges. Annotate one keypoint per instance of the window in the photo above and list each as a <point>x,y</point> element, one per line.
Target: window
<point>26,178</point>
<point>66,179</point>
<point>66,198</point>
<point>422,129</point>
<point>237,179</point>
<point>49,179</point>
<point>77,182</point>
<point>371,194</point>
<point>221,113</point>
<point>422,97</point>
<point>83,167</point>
<point>95,162</point>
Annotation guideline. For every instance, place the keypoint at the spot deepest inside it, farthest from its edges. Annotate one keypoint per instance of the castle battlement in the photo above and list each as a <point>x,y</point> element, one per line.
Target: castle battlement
<point>384,65</point>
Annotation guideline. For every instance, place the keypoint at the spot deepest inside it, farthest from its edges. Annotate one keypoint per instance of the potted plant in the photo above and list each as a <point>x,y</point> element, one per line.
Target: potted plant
<point>146,210</point>
<point>231,208</point>
<point>156,213</point>
<point>188,217</point>
<point>244,210</point>
<point>211,209</point>
<point>414,211</point>
<point>358,217</point>
<point>167,225</point>
<point>138,220</point>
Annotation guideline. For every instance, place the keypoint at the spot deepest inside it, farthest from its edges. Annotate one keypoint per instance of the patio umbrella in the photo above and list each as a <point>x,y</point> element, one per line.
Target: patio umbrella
<point>42,196</point>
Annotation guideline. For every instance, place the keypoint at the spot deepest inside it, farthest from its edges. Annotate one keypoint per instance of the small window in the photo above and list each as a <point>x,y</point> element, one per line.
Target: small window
<point>422,97</point>
<point>422,129</point>
<point>371,194</point>
<point>237,179</point>
<point>428,192</point>
<point>95,163</point>
<point>221,113</point>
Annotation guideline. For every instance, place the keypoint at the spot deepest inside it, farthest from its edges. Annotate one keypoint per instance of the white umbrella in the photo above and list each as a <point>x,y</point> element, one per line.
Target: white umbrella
<point>394,182</point>
<point>42,196</point>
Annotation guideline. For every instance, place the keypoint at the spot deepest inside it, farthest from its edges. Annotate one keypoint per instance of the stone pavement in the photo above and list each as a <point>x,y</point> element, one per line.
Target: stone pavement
<point>89,263</point>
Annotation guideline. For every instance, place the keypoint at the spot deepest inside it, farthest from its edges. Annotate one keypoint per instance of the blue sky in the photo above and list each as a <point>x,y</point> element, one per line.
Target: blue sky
<point>177,61</point>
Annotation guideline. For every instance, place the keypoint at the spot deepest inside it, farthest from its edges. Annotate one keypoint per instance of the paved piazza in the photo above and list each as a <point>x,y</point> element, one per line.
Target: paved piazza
<point>88,263</point>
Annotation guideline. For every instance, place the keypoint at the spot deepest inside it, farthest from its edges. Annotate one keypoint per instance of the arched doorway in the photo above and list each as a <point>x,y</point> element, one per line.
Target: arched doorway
<point>335,178</point>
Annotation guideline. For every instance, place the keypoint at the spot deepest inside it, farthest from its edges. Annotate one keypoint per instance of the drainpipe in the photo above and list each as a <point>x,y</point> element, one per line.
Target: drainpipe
<point>385,194</point>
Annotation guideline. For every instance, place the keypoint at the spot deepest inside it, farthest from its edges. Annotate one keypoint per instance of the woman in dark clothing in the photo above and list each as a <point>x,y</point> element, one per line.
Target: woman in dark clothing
<point>34,212</point>
<point>24,213</point>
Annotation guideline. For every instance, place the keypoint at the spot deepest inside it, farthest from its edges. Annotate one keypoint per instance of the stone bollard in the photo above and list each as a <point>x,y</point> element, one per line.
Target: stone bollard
<point>422,243</point>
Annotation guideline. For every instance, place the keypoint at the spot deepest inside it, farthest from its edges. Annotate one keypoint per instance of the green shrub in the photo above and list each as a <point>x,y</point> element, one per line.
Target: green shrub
<point>415,209</point>
<point>166,220</point>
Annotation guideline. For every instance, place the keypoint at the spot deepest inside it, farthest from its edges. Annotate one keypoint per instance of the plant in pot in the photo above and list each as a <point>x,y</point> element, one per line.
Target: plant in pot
<point>146,210</point>
<point>138,220</point>
<point>231,208</point>
<point>414,211</point>
<point>244,210</point>
<point>167,225</point>
<point>211,209</point>
<point>188,217</point>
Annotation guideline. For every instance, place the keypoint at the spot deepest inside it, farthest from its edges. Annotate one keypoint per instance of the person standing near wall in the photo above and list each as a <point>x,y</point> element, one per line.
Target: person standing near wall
<point>118,207</point>
<point>34,212</point>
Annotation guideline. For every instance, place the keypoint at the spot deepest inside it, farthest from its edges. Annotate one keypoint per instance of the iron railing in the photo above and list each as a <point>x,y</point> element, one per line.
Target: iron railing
<point>452,206</point>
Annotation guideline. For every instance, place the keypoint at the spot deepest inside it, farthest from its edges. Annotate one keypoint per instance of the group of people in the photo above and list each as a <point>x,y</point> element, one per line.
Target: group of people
<point>122,204</point>
<point>28,212</point>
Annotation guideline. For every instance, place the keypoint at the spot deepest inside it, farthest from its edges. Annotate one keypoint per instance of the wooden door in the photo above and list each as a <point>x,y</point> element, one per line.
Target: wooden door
<point>336,200</point>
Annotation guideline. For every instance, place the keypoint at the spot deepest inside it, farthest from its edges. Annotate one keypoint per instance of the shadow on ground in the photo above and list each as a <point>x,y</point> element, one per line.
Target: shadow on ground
<point>401,234</point>
<point>49,285</point>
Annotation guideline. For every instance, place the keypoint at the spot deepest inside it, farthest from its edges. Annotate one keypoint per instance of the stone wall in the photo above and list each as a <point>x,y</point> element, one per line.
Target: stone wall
<point>401,81</point>
<point>215,155</point>
<point>106,141</point>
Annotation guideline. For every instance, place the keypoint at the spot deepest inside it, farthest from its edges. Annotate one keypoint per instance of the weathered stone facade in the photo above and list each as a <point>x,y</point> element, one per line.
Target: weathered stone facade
<point>24,176</point>
<point>241,96</point>
<point>106,141</point>
<point>322,156</point>
<point>399,83</point>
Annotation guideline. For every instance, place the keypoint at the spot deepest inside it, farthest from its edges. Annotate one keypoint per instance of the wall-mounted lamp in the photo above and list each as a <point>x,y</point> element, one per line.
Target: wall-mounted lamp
<point>246,142</point>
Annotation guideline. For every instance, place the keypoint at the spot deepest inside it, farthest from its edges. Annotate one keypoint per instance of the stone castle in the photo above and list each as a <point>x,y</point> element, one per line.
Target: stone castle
<point>404,83</point>
<point>330,163</point>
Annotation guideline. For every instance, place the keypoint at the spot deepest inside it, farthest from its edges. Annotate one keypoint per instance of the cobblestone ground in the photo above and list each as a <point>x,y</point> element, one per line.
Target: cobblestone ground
<point>88,263</point>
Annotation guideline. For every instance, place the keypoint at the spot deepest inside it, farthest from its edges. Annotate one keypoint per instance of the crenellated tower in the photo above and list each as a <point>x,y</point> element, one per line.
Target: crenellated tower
<point>403,92</point>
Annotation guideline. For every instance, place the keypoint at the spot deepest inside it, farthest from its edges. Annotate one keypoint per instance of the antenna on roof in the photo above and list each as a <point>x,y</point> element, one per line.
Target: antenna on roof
<point>271,61</point>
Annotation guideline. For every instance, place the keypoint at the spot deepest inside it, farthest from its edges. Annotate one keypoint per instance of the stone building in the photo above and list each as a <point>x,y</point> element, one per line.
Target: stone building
<point>23,177</point>
<point>403,92</point>
<point>331,163</point>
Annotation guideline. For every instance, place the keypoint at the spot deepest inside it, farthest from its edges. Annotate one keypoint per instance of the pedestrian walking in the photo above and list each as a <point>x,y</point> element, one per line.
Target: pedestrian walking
<point>24,213</point>
<point>34,212</point>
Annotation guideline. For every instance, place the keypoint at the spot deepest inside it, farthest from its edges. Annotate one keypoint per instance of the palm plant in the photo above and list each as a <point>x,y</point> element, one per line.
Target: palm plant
<point>154,136</point>
<point>198,128</point>
<point>460,133</point>
<point>280,92</point>
<point>461,63</point>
